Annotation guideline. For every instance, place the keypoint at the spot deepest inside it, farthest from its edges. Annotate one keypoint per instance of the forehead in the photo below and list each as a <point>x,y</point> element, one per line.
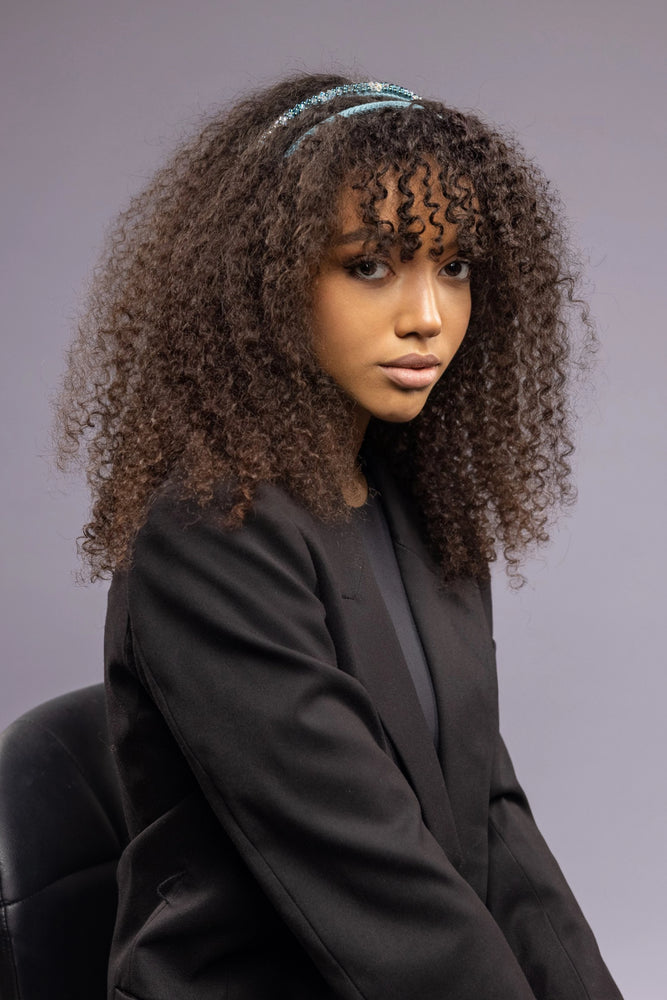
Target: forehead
<point>395,202</point>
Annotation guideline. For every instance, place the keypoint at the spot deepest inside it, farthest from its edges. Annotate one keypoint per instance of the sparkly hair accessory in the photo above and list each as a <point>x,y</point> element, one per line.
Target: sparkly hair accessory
<point>356,109</point>
<point>397,97</point>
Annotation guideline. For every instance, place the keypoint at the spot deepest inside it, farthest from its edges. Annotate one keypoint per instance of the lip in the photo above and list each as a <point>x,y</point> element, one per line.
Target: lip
<point>413,371</point>
<point>413,361</point>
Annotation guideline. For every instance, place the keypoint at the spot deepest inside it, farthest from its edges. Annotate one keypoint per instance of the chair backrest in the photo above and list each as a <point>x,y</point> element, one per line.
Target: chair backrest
<point>61,833</point>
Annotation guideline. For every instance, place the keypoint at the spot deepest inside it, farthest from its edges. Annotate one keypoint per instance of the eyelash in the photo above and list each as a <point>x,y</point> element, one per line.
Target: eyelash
<point>354,266</point>
<point>467,268</point>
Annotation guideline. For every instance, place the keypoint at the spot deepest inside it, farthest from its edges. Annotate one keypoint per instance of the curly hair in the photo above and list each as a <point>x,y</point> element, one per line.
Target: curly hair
<point>194,359</point>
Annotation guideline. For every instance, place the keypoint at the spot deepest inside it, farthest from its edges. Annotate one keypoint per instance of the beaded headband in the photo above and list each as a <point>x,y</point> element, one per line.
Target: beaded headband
<point>397,97</point>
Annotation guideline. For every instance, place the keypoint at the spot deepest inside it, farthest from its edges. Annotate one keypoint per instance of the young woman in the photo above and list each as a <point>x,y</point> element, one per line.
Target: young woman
<point>321,383</point>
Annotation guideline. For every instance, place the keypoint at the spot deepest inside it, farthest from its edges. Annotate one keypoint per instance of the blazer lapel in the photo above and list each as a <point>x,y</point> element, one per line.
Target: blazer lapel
<point>378,662</point>
<point>459,650</point>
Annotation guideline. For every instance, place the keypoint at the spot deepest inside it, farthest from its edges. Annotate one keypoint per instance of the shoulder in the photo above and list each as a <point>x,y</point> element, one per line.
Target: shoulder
<point>196,587</point>
<point>177,524</point>
<point>186,553</point>
<point>172,510</point>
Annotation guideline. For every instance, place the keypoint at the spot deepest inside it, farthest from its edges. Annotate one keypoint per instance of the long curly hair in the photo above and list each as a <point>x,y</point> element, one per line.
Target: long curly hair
<point>194,359</point>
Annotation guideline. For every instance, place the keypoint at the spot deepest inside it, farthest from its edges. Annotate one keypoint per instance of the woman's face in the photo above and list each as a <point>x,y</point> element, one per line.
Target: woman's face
<point>386,329</point>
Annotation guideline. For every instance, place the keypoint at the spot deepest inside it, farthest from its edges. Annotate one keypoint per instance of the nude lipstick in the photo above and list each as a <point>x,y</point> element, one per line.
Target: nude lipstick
<point>413,371</point>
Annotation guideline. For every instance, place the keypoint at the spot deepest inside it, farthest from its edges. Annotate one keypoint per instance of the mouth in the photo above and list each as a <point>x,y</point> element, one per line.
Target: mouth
<point>413,371</point>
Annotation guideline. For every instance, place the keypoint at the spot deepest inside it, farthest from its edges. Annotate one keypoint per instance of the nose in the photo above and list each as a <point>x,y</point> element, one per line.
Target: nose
<point>418,309</point>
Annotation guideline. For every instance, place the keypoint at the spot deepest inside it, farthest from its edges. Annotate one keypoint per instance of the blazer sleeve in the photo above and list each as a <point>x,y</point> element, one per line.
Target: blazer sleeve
<point>529,896</point>
<point>230,637</point>
<point>533,904</point>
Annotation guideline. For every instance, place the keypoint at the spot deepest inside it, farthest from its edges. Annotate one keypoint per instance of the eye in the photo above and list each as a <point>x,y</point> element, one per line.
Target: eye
<point>457,269</point>
<point>368,269</point>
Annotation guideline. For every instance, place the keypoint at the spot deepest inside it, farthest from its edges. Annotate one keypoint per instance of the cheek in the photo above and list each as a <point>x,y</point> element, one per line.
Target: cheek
<point>329,345</point>
<point>335,325</point>
<point>325,342</point>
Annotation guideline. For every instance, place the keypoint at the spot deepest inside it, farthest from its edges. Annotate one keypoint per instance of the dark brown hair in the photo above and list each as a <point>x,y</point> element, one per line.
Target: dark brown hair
<point>193,360</point>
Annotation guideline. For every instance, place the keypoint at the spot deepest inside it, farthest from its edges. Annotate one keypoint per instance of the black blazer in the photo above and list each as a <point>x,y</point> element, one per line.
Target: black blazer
<point>294,833</point>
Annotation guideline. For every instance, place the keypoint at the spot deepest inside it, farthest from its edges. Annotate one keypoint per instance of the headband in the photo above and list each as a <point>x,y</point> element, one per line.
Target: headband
<point>390,94</point>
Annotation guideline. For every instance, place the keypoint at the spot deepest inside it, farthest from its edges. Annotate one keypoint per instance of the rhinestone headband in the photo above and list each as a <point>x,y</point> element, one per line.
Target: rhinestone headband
<point>368,89</point>
<point>357,109</point>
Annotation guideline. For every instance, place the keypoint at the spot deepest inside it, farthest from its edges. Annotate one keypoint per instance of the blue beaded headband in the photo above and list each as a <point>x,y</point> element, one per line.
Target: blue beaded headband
<point>346,112</point>
<point>398,97</point>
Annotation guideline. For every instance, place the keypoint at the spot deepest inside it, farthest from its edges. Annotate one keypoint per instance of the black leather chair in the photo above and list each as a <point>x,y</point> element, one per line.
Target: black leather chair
<point>61,833</point>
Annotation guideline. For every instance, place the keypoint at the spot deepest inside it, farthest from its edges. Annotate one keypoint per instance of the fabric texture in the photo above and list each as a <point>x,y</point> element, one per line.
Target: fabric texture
<point>294,832</point>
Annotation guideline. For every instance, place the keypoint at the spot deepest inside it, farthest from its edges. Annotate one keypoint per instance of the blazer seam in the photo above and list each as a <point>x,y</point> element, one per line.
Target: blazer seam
<point>541,904</point>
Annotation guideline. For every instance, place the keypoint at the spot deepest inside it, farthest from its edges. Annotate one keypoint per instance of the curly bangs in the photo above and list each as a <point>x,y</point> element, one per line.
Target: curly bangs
<point>194,359</point>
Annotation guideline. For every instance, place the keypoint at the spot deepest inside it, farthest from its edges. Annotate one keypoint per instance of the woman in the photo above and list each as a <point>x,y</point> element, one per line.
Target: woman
<point>322,383</point>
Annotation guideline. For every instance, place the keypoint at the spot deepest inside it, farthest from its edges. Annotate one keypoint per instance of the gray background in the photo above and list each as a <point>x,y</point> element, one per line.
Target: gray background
<point>94,94</point>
